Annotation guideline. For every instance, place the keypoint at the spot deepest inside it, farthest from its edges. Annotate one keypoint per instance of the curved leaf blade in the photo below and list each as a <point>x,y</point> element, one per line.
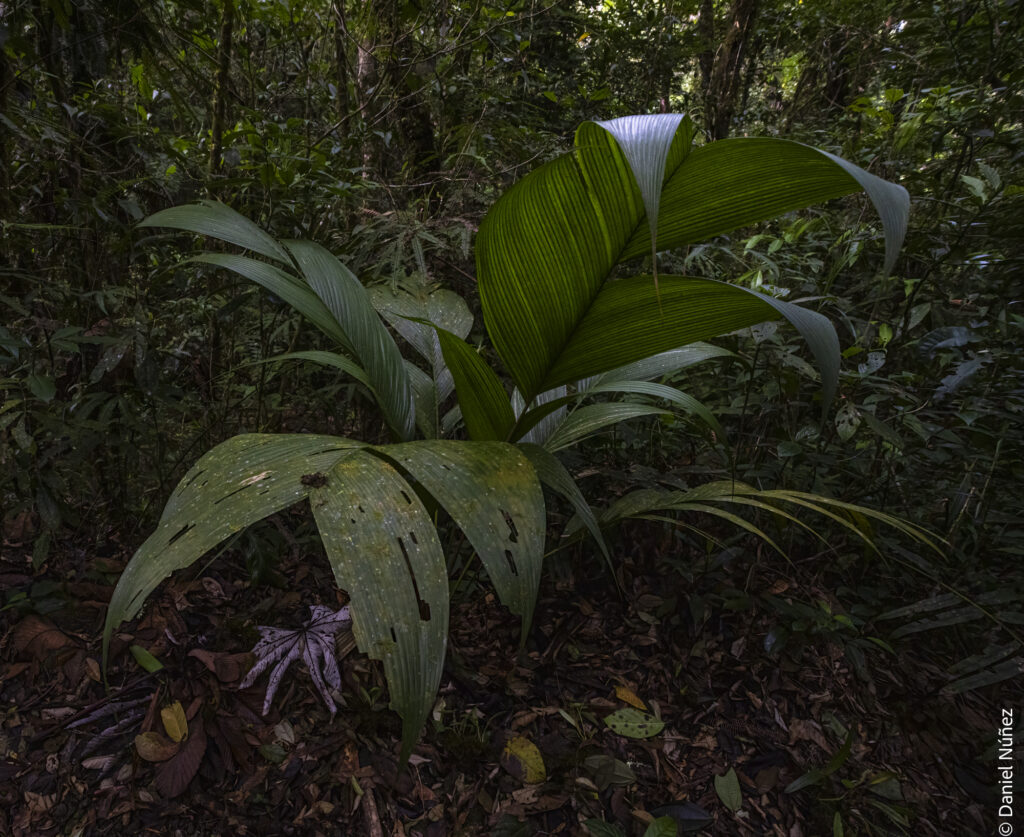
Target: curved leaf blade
<point>348,301</point>
<point>627,323</point>
<point>486,408</point>
<point>232,486</point>
<point>282,284</point>
<point>589,419</point>
<point>491,492</point>
<point>219,221</point>
<point>384,551</point>
<point>556,477</point>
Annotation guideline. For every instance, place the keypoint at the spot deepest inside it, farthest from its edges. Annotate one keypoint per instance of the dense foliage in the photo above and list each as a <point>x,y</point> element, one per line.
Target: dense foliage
<point>385,130</point>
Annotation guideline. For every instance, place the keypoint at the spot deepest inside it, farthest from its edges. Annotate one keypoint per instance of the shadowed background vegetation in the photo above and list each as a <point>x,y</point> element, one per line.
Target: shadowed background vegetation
<point>384,130</point>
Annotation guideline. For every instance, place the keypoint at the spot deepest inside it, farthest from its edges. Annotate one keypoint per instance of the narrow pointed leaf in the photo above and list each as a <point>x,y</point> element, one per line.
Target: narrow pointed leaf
<point>428,399</point>
<point>555,476</point>
<point>370,343</point>
<point>332,359</point>
<point>662,364</point>
<point>539,432</point>
<point>491,491</point>
<point>236,484</point>
<point>284,285</point>
<point>680,399</point>
<point>589,419</point>
<point>383,549</point>
<point>485,405</point>
<point>219,221</point>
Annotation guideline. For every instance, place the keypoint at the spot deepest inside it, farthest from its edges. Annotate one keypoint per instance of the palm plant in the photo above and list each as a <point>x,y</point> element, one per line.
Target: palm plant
<point>564,325</point>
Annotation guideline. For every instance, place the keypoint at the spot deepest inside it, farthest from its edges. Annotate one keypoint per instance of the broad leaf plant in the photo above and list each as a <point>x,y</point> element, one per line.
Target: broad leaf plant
<point>567,322</point>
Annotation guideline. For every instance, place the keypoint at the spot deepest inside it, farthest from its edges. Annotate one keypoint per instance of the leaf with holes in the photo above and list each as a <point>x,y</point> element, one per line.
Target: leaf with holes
<point>632,723</point>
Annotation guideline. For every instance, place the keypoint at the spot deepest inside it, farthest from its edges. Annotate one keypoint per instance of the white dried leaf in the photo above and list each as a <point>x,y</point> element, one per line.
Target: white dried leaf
<point>314,642</point>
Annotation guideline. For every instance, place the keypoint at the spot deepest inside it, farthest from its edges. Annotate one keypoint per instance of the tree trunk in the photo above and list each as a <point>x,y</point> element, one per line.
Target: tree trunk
<point>722,71</point>
<point>220,93</point>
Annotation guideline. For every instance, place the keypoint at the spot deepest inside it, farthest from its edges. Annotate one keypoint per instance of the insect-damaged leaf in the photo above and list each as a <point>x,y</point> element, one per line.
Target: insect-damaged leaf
<point>493,495</point>
<point>382,546</point>
<point>632,723</point>
<point>237,483</point>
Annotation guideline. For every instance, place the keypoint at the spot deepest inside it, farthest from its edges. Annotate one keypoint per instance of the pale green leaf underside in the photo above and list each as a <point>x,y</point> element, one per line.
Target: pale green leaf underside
<point>441,307</point>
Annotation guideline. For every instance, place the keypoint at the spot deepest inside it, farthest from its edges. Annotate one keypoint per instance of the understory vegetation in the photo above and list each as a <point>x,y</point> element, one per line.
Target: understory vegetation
<point>709,523</point>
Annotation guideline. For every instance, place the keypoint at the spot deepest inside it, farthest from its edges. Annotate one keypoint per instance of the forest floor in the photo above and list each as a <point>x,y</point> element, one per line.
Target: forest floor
<point>894,755</point>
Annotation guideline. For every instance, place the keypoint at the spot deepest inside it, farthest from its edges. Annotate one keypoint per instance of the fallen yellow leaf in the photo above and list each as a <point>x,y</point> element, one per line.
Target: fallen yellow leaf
<point>175,722</point>
<point>627,695</point>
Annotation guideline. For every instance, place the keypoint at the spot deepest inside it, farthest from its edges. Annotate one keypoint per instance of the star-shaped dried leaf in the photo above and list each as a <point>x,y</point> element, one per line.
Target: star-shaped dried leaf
<point>314,642</point>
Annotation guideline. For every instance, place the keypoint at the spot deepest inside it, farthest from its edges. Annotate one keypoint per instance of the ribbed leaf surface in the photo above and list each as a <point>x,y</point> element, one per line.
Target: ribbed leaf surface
<point>486,409</point>
<point>547,249</point>
<point>627,322</point>
<point>382,546</point>
<point>221,222</point>
<point>346,298</point>
<point>284,285</point>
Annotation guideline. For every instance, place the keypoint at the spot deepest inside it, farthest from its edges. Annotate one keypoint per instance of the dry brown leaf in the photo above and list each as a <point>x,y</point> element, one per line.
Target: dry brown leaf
<point>173,776</point>
<point>627,695</point>
<point>152,746</point>
<point>37,637</point>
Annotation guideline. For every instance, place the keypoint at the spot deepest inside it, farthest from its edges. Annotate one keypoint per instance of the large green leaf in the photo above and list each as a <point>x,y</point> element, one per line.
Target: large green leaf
<point>379,537</point>
<point>492,493</point>
<point>382,546</point>
<point>627,322</point>
<point>547,250</point>
<point>367,338</point>
<point>237,483</point>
